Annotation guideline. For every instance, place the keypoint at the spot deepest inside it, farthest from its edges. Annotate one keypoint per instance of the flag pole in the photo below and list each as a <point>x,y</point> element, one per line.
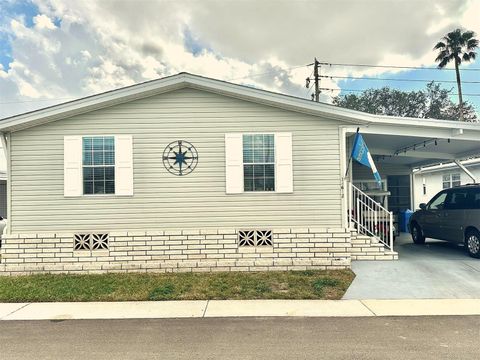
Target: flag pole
<point>351,155</point>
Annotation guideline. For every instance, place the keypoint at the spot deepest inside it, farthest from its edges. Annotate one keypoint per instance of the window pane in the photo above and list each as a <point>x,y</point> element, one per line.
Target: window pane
<point>455,177</point>
<point>258,141</point>
<point>98,173</point>
<point>248,184</point>
<point>97,143</point>
<point>248,170</point>
<point>270,184</point>
<point>446,185</point>
<point>259,171</point>
<point>446,178</point>
<point>247,155</point>
<point>438,202</point>
<point>88,187</point>
<point>109,143</point>
<point>110,173</point>
<point>98,158</point>
<point>87,174</point>
<point>109,158</point>
<point>259,184</point>
<point>99,187</point>
<point>258,156</point>
<point>269,155</point>
<point>476,199</point>
<point>270,171</point>
<point>87,158</point>
<point>87,144</point>
<point>268,140</point>
<point>247,141</point>
<point>109,187</point>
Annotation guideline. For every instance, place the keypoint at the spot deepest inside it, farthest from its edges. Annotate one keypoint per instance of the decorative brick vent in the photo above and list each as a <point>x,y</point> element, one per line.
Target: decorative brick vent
<point>255,238</point>
<point>90,242</point>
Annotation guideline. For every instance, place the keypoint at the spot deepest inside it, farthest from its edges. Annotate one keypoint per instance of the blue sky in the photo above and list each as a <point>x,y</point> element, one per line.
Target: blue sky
<point>437,75</point>
<point>55,50</point>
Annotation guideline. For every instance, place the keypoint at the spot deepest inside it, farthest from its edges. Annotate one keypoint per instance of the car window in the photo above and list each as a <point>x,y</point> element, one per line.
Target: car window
<point>437,203</point>
<point>458,199</point>
<point>473,198</point>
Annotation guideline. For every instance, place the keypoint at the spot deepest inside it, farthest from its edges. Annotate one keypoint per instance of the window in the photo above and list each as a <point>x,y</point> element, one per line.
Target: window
<point>437,203</point>
<point>259,162</point>
<point>457,200</point>
<point>451,180</point>
<point>473,199</point>
<point>98,162</point>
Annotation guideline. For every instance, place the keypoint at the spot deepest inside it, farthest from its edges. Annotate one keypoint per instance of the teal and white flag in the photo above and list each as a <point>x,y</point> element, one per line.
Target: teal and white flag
<point>362,155</point>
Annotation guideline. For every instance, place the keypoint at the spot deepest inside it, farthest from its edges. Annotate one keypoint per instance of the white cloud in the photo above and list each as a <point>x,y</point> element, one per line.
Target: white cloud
<point>105,44</point>
<point>43,22</point>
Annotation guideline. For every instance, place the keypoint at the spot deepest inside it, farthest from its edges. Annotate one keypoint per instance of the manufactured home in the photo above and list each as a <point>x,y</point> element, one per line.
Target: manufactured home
<point>188,173</point>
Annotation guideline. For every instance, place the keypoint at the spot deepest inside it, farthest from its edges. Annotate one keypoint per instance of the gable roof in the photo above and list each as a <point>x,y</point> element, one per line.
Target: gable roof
<point>186,80</point>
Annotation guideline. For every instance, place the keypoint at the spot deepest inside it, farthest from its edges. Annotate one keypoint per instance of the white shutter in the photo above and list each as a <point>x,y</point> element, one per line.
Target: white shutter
<point>72,166</point>
<point>284,163</point>
<point>234,163</point>
<point>123,165</point>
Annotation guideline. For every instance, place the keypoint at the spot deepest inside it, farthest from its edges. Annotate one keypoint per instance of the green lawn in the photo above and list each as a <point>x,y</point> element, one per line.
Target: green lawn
<point>309,284</point>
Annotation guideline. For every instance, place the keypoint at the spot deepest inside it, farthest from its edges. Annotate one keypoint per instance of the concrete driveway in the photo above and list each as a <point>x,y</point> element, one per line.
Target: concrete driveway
<point>437,270</point>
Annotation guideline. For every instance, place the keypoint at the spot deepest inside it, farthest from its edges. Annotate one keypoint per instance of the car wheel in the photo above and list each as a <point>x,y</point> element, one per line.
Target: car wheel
<point>417,235</point>
<point>472,243</point>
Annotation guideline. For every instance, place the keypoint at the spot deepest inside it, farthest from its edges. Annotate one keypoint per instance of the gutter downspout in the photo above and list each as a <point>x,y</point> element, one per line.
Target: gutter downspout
<point>466,171</point>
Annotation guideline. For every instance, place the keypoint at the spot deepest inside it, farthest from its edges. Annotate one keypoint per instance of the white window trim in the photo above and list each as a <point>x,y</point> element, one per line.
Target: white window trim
<point>274,162</point>
<point>450,180</point>
<point>82,194</point>
<point>259,193</point>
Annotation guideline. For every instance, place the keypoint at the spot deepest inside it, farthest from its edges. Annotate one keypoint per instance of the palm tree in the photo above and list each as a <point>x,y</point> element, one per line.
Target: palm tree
<point>458,46</point>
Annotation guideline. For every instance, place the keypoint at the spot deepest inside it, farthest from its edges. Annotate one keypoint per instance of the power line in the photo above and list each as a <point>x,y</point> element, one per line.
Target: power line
<point>362,90</point>
<point>392,79</point>
<point>394,66</point>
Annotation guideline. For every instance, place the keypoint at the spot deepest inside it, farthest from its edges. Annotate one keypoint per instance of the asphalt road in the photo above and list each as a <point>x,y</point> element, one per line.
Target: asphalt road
<point>244,338</point>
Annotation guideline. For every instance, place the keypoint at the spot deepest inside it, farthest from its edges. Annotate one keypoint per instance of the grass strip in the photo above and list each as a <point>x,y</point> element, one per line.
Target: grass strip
<point>310,284</point>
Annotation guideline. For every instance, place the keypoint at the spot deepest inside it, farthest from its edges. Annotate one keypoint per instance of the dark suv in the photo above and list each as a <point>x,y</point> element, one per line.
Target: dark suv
<point>452,215</point>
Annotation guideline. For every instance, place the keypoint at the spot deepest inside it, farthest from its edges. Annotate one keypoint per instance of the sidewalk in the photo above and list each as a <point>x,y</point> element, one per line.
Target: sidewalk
<point>237,308</point>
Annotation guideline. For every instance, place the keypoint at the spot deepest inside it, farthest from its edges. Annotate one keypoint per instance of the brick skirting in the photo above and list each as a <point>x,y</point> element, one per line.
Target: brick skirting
<point>180,250</point>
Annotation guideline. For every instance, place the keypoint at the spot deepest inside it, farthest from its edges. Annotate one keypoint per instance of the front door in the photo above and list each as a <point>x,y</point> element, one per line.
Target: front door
<point>399,188</point>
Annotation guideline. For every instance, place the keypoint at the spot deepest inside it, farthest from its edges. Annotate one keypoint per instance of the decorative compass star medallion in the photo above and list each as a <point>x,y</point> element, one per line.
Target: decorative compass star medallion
<point>180,157</point>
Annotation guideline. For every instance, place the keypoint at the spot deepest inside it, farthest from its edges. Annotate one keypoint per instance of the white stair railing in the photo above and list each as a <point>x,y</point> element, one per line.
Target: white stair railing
<point>370,218</point>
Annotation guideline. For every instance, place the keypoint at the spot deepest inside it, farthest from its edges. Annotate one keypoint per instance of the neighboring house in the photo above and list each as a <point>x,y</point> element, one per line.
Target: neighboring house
<point>428,181</point>
<point>188,173</point>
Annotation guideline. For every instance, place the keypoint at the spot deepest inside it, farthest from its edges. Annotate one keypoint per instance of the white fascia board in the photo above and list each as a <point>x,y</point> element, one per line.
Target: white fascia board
<point>424,131</point>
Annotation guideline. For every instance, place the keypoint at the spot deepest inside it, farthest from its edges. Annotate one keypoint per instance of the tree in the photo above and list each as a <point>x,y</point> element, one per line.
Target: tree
<point>432,102</point>
<point>457,46</point>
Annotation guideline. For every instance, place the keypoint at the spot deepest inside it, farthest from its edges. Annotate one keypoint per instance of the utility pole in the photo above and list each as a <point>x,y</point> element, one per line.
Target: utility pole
<point>316,76</point>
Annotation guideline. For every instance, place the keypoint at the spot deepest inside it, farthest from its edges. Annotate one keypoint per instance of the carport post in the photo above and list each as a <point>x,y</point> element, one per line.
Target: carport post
<point>466,171</point>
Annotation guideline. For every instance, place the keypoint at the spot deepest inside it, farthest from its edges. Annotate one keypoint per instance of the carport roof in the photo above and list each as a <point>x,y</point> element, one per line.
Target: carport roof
<point>385,135</point>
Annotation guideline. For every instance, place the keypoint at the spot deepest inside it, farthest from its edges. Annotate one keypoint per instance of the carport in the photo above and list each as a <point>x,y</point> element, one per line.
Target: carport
<point>438,269</point>
<point>398,146</point>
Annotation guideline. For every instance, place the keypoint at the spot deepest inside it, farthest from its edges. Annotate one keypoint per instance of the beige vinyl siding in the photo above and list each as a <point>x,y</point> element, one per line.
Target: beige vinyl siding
<point>162,200</point>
